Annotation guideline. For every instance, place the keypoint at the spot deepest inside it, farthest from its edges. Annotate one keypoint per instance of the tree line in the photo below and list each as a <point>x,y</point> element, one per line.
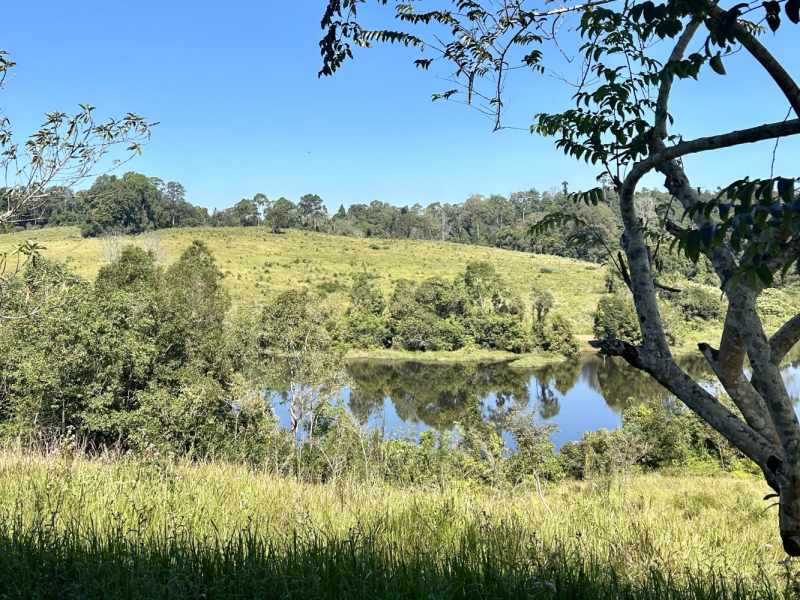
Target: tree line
<point>134,203</point>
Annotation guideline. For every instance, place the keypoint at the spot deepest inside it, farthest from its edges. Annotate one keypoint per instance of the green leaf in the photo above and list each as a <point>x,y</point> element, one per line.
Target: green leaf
<point>693,245</point>
<point>716,64</point>
<point>773,9</point>
<point>786,190</point>
<point>707,235</point>
<point>792,9</point>
<point>764,274</point>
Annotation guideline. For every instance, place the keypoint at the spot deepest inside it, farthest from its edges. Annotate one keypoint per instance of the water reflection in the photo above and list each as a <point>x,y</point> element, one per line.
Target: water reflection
<point>434,394</point>
<point>585,394</point>
<point>582,395</point>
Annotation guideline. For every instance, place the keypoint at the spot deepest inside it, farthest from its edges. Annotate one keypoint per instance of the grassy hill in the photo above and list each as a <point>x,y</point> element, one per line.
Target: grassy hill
<point>259,264</point>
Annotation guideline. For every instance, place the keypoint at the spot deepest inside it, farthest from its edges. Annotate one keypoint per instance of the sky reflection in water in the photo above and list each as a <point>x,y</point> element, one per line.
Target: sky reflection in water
<point>586,394</point>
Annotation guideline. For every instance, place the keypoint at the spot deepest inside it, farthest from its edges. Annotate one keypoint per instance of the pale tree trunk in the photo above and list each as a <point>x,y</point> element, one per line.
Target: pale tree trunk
<point>769,433</point>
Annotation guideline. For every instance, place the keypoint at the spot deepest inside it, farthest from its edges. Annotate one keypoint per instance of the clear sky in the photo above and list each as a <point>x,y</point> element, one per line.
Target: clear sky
<point>234,85</point>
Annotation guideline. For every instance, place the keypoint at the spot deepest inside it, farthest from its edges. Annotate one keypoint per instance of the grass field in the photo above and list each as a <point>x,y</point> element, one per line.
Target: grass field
<point>258,263</point>
<point>73,528</point>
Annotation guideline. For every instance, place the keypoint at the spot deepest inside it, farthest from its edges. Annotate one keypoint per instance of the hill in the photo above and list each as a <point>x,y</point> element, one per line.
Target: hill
<point>258,263</point>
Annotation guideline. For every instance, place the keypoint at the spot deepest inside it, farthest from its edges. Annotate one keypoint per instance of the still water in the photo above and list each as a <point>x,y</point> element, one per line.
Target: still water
<point>581,395</point>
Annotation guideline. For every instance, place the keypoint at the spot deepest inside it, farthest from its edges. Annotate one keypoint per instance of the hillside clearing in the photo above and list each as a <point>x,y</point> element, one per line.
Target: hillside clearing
<point>259,264</point>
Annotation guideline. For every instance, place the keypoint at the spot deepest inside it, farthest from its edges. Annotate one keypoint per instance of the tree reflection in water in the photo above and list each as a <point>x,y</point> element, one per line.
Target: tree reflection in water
<point>434,395</point>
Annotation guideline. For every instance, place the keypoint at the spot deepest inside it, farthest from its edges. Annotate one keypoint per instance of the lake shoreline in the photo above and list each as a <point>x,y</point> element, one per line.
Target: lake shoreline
<point>529,360</point>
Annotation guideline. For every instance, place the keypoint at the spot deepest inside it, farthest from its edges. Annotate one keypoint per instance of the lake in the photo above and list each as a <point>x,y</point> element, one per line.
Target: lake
<point>585,394</point>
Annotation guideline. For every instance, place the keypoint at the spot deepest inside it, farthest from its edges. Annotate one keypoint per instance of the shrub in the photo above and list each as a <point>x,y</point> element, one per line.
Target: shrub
<point>365,295</point>
<point>616,318</point>
<point>424,331</point>
<point>557,337</point>
<point>330,287</point>
<point>364,329</point>
<point>498,332</point>
<point>776,305</point>
<point>699,302</point>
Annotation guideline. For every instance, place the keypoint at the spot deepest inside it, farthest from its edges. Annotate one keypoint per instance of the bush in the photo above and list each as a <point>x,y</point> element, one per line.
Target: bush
<point>775,305</point>
<point>364,329</point>
<point>616,318</point>
<point>498,332</point>
<point>699,302</point>
<point>426,332</point>
<point>330,287</point>
<point>556,336</point>
<point>91,229</point>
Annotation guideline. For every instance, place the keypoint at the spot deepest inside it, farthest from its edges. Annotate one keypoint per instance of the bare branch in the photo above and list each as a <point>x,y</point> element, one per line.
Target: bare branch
<point>662,103</point>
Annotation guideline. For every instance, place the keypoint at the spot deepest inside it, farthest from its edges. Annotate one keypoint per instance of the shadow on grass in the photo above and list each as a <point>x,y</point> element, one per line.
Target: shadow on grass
<point>38,562</point>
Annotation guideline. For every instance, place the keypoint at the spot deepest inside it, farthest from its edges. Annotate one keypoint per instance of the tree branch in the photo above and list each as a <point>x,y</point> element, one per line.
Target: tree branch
<point>767,377</point>
<point>785,339</point>
<point>716,142</point>
<point>743,394</point>
<point>667,373</point>
<point>662,103</point>
<point>763,56</point>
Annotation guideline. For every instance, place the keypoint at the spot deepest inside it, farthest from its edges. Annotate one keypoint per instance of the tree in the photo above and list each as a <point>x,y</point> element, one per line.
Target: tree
<point>175,194</point>
<point>310,207</point>
<point>523,201</point>
<point>130,204</point>
<point>542,304</point>
<point>622,123</point>
<point>62,154</point>
<point>482,280</point>
<point>262,204</point>
<point>281,215</point>
<point>294,335</point>
<point>245,213</point>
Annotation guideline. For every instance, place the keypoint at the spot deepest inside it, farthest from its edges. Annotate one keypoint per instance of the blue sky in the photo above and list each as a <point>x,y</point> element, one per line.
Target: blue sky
<point>235,88</point>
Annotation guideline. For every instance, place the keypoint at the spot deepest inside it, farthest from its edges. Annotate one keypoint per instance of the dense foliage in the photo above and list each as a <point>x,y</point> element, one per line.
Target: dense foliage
<point>477,309</point>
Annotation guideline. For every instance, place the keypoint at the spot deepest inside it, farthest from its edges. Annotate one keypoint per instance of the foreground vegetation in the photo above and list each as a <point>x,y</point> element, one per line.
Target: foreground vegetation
<point>140,527</point>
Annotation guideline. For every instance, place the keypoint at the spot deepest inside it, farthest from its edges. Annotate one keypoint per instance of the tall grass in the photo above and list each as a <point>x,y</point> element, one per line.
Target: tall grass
<point>128,528</point>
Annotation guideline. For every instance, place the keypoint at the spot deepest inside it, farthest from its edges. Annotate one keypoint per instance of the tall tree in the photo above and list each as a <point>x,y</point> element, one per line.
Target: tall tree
<point>281,215</point>
<point>310,207</point>
<point>294,335</point>
<point>262,204</point>
<point>130,204</point>
<point>622,123</point>
<point>246,213</point>
<point>175,195</point>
